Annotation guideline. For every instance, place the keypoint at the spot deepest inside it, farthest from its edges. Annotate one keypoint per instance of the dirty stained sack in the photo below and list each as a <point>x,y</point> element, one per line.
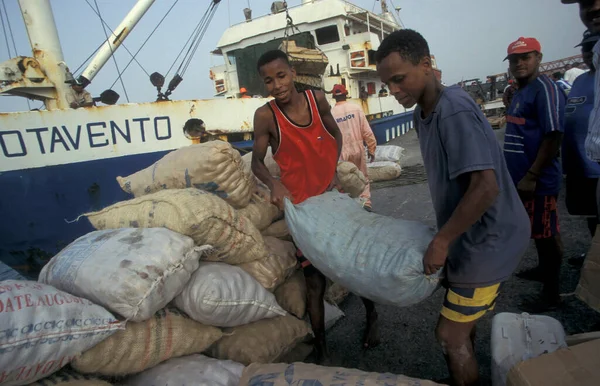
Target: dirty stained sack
<point>207,219</point>
<point>260,211</point>
<point>213,166</point>
<point>278,229</point>
<point>224,295</point>
<point>383,171</point>
<point>191,370</point>
<point>143,345</point>
<point>44,328</point>
<point>291,295</point>
<point>273,270</point>
<point>358,249</point>
<point>270,163</point>
<point>352,180</point>
<point>282,374</point>
<point>132,272</point>
<point>263,341</point>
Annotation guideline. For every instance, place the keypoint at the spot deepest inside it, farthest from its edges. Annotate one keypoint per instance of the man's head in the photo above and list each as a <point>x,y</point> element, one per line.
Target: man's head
<point>77,87</point>
<point>587,44</point>
<point>524,58</point>
<point>556,76</point>
<point>243,90</point>
<point>589,12</point>
<point>277,74</point>
<point>339,92</point>
<point>404,64</point>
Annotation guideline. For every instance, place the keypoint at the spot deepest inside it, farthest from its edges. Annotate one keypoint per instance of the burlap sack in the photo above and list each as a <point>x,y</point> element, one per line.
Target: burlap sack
<point>278,229</point>
<point>383,171</point>
<point>205,218</point>
<point>273,270</point>
<point>353,181</point>
<point>261,341</point>
<point>281,374</point>
<point>70,378</point>
<point>291,295</point>
<point>334,293</point>
<point>212,166</point>
<point>269,163</point>
<point>260,212</point>
<point>168,334</point>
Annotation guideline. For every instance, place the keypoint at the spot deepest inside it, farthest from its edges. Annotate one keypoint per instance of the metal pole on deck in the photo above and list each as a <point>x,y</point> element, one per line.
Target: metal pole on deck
<point>115,39</point>
<point>45,44</point>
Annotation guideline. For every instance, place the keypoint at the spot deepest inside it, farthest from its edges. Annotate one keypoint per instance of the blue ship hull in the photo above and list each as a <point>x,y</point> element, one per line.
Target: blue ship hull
<point>37,203</point>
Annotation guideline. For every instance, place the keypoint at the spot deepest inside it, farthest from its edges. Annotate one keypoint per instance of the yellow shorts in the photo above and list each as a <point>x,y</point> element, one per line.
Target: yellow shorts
<point>465,305</point>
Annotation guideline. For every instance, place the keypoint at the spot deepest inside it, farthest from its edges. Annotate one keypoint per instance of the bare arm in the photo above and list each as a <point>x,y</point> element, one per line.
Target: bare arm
<point>328,120</point>
<point>480,195</point>
<point>260,146</point>
<point>262,121</point>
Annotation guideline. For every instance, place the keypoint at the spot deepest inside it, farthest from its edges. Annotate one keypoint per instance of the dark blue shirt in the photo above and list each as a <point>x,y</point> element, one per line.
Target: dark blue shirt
<point>536,110</point>
<point>577,115</point>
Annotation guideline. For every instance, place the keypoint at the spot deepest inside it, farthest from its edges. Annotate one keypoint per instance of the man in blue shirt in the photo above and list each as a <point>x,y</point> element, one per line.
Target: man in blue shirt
<point>483,229</point>
<point>534,127</point>
<point>582,173</point>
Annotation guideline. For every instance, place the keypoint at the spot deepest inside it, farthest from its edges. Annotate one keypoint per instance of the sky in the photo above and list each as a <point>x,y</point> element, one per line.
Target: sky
<point>467,37</point>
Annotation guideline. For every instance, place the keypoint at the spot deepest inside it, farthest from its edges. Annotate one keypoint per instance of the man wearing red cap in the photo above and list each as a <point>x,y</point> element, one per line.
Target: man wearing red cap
<point>356,132</point>
<point>534,131</point>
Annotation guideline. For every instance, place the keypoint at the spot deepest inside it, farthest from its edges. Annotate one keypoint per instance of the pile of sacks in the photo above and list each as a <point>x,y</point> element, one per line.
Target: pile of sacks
<point>198,262</point>
<point>386,165</point>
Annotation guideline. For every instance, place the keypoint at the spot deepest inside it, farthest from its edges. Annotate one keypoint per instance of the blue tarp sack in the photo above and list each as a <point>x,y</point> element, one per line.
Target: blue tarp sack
<point>374,256</point>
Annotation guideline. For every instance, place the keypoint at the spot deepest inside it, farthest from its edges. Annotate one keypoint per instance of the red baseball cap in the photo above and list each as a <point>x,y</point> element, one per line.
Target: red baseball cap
<point>523,45</point>
<point>339,89</point>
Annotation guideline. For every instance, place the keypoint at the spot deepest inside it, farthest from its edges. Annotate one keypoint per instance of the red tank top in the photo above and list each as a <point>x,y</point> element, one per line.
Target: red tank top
<point>307,155</point>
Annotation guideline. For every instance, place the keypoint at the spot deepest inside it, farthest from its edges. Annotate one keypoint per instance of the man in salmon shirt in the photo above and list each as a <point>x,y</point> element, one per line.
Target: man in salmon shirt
<point>306,144</point>
<point>356,132</point>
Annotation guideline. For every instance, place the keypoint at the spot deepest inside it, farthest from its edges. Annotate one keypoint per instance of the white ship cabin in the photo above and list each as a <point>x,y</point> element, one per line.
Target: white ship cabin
<point>333,40</point>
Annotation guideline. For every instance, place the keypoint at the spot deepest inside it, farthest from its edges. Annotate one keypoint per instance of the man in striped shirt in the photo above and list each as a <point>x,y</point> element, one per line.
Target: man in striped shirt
<point>534,130</point>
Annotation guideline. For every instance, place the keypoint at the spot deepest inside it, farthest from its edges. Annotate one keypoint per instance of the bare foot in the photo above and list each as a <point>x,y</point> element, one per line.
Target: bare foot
<point>371,337</point>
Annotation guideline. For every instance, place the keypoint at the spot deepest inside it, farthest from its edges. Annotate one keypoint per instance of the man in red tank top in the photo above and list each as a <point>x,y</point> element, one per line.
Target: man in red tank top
<point>306,144</point>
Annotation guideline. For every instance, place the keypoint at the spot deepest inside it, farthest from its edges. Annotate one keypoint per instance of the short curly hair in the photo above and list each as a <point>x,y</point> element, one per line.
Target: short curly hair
<point>271,56</point>
<point>410,44</point>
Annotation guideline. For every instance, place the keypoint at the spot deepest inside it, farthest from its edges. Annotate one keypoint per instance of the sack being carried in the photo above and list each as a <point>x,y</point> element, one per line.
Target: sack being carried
<point>377,257</point>
<point>132,272</point>
<point>353,181</point>
<point>214,167</point>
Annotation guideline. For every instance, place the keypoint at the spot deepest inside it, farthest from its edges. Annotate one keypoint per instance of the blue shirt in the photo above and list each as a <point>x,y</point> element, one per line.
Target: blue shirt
<point>536,110</point>
<point>577,115</point>
<point>456,139</point>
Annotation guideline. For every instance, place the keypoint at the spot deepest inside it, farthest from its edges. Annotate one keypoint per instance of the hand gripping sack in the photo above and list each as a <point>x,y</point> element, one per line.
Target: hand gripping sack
<point>43,329</point>
<point>142,345</point>
<point>132,272</point>
<point>191,370</point>
<point>377,257</point>
<point>353,181</point>
<point>212,166</point>
<point>224,295</point>
<point>205,218</point>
